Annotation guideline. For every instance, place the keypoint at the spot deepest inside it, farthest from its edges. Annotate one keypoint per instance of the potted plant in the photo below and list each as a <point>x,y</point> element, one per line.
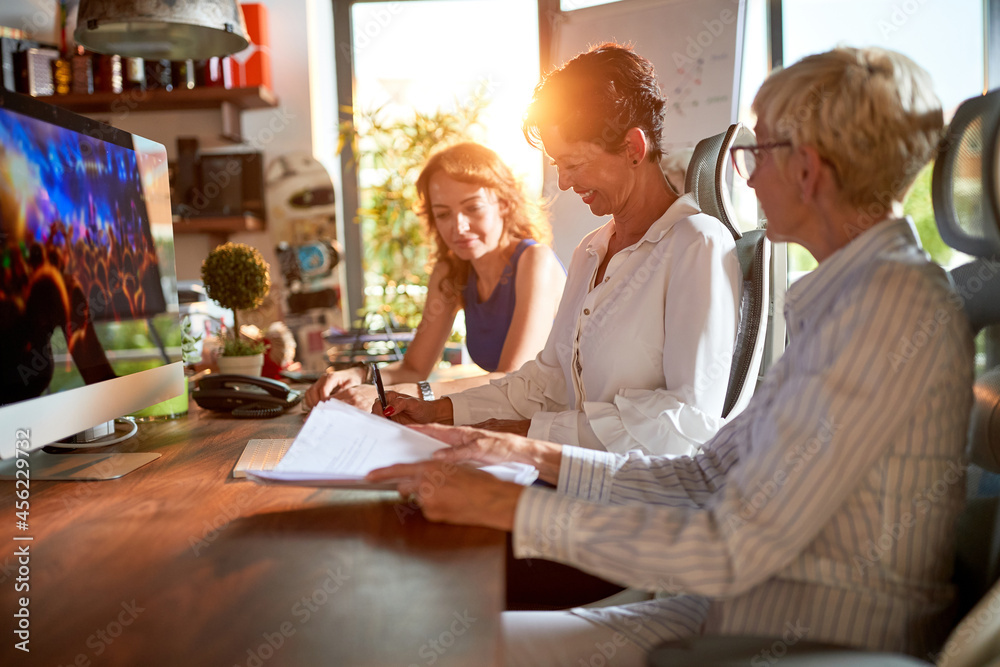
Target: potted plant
<point>236,276</point>
<point>393,149</point>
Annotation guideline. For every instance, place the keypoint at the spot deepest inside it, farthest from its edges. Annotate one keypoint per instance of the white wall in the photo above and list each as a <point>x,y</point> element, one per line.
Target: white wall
<point>35,17</point>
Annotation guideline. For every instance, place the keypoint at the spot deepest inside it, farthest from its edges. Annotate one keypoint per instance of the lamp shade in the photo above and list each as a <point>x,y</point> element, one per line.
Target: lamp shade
<point>162,29</point>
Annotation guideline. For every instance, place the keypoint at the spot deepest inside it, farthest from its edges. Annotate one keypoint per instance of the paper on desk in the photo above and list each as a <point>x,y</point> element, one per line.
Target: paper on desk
<point>340,444</point>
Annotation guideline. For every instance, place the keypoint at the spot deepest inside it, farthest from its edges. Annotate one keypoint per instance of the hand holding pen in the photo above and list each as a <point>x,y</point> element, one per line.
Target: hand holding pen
<point>386,410</point>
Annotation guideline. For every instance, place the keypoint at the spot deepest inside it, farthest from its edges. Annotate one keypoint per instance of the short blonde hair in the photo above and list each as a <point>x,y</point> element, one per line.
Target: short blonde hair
<point>871,113</point>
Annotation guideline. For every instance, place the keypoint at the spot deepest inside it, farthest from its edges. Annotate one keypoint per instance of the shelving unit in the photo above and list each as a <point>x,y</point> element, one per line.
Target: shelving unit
<point>229,101</point>
<point>219,228</point>
<point>256,97</point>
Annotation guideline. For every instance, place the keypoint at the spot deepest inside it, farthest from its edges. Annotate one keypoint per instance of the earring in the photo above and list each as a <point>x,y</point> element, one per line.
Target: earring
<point>635,162</point>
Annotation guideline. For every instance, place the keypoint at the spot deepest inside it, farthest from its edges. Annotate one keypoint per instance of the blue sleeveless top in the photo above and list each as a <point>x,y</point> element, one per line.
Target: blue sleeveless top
<point>487,322</point>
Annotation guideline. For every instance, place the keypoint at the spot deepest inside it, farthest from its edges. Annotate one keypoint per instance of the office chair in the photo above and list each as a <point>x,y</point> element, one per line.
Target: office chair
<point>706,180</point>
<point>966,197</point>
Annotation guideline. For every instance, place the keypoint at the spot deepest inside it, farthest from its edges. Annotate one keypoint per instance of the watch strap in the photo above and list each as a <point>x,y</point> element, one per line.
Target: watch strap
<point>426,392</point>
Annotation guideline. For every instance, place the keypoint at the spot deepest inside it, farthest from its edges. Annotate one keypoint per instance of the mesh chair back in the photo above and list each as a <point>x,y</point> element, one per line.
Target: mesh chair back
<point>964,183</point>
<point>706,174</point>
<point>964,190</point>
<point>706,180</point>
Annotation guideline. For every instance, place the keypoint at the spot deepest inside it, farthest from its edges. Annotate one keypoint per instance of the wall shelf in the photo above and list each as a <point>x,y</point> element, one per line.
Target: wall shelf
<point>256,97</point>
<point>218,228</point>
<point>230,102</point>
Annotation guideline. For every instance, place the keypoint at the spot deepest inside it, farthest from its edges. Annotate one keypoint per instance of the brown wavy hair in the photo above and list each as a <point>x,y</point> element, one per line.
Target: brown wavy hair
<point>474,163</point>
<point>597,97</point>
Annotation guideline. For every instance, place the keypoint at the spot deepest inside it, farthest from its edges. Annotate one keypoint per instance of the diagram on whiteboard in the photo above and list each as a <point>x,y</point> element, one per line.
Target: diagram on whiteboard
<point>691,44</point>
<point>689,94</point>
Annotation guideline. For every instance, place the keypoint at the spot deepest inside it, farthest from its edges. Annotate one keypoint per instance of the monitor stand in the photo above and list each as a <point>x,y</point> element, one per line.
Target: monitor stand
<point>77,466</point>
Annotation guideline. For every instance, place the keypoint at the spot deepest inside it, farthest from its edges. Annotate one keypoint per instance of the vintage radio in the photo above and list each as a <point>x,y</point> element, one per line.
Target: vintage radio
<point>217,184</point>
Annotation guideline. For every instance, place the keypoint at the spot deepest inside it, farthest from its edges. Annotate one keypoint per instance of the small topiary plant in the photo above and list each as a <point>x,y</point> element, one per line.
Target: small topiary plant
<point>236,276</point>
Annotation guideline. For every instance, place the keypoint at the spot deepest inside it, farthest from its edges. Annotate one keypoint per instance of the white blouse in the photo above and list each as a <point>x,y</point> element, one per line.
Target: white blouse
<point>640,361</point>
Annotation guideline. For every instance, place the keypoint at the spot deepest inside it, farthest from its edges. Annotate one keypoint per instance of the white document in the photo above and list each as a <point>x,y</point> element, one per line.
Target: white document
<point>340,444</point>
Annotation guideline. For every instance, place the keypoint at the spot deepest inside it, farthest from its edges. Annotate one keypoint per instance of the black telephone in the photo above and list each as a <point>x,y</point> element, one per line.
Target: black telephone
<point>245,395</point>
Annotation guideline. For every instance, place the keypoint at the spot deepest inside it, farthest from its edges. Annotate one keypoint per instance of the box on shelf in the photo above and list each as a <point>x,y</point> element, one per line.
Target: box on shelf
<point>252,65</point>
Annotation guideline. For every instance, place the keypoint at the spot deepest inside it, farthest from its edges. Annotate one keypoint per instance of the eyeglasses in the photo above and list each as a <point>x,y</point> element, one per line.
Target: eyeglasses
<point>747,157</point>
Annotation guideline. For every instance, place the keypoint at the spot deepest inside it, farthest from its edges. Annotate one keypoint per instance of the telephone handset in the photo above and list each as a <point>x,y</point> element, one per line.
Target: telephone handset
<point>245,395</point>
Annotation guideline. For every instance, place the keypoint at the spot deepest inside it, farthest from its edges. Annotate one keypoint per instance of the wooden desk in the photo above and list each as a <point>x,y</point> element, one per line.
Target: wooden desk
<point>178,563</point>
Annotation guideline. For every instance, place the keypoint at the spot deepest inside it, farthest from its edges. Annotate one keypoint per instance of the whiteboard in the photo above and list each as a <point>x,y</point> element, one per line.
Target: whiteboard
<point>695,46</point>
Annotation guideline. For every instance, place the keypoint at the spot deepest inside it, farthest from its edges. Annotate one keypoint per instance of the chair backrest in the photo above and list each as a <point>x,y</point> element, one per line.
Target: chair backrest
<point>706,174</point>
<point>706,180</point>
<point>967,211</point>
<point>975,642</point>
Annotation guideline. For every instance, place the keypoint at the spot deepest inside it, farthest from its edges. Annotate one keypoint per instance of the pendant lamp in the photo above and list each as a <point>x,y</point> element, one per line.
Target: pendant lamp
<point>162,29</point>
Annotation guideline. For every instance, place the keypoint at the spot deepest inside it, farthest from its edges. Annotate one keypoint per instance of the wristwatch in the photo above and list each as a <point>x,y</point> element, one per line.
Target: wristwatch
<point>425,391</point>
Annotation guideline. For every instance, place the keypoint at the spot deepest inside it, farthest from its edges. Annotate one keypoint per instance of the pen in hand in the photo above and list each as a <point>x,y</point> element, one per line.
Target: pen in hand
<point>381,389</point>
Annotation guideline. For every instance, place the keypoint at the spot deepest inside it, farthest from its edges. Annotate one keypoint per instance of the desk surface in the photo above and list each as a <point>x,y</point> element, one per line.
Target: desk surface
<point>177,563</point>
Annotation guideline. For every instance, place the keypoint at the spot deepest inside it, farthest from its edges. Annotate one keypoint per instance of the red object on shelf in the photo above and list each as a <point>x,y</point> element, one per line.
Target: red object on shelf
<point>252,65</point>
<point>216,72</point>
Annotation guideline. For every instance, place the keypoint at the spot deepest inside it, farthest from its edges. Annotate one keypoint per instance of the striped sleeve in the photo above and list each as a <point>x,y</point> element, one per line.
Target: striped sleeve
<point>834,415</point>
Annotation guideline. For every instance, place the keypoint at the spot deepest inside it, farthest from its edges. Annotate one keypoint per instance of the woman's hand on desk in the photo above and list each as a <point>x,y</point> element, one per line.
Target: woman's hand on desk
<point>360,396</point>
<point>473,445</point>
<point>331,384</point>
<point>453,493</point>
<point>411,410</point>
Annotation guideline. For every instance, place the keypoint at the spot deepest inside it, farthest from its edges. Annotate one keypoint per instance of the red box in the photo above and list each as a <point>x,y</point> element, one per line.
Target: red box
<point>252,65</point>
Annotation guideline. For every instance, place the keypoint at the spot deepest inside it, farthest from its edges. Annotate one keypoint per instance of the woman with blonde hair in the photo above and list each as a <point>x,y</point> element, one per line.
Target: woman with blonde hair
<point>491,260</point>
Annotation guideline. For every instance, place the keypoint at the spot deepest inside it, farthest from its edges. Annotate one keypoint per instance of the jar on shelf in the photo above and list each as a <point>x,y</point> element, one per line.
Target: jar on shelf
<point>108,76</point>
<point>83,72</point>
<point>216,71</point>
<point>183,74</point>
<point>158,75</point>
<point>134,74</point>
<point>62,76</point>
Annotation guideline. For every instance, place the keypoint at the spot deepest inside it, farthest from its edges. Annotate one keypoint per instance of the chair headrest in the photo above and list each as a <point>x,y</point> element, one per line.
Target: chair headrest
<point>964,186</point>
<point>706,174</point>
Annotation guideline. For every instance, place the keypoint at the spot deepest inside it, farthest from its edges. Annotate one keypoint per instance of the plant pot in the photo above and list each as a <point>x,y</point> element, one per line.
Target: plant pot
<point>248,365</point>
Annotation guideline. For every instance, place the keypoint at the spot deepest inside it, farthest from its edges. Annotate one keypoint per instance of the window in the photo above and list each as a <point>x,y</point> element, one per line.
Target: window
<point>412,60</point>
<point>945,37</point>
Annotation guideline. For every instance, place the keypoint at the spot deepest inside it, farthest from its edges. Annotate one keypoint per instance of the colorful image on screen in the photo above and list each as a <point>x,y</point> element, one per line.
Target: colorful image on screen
<point>76,251</point>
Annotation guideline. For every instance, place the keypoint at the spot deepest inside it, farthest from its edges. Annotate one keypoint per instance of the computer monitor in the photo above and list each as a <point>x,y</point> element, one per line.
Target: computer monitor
<point>89,329</point>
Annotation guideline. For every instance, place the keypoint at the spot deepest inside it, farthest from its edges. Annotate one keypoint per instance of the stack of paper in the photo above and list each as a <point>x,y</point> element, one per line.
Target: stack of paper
<point>340,444</point>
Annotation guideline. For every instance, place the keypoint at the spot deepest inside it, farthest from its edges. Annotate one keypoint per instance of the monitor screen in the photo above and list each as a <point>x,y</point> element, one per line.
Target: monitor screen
<point>89,328</point>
